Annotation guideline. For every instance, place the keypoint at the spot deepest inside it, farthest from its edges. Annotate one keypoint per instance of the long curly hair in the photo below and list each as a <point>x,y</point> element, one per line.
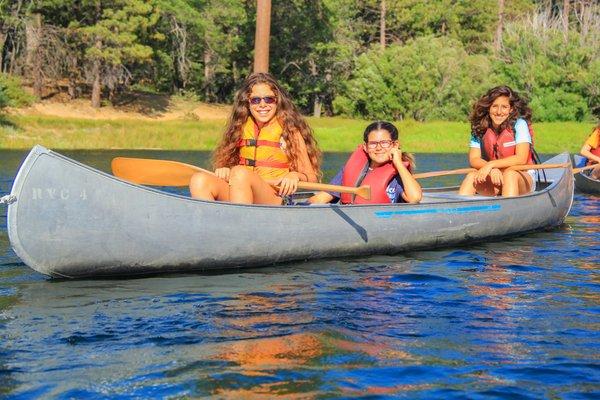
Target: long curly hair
<point>227,152</point>
<point>394,133</point>
<point>480,116</point>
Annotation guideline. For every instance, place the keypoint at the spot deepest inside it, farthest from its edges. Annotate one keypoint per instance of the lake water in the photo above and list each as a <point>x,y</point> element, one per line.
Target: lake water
<point>516,319</point>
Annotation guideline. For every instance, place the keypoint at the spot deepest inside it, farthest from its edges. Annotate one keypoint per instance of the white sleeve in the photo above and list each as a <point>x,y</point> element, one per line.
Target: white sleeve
<point>522,134</point>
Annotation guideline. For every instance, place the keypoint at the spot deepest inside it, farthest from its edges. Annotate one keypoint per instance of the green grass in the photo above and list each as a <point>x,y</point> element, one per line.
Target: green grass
<point>333,134</point>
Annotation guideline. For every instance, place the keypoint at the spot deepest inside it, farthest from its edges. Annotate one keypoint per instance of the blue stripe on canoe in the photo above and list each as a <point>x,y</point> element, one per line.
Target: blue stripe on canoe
<point>456,210</point>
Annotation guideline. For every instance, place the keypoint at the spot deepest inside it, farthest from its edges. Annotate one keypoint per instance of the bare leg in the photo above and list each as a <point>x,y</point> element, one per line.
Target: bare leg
<point>516,183</point>
<point>246,187</point>
<point>467,187</point>
<point>208,187</point>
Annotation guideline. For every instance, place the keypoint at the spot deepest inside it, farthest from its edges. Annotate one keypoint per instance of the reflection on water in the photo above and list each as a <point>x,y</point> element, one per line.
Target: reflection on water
<point>516,318</point>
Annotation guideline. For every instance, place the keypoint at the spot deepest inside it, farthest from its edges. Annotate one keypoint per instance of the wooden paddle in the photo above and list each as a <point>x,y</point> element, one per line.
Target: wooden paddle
<point>467,170</point>
<point>578,170</point>
<point>145,171</point>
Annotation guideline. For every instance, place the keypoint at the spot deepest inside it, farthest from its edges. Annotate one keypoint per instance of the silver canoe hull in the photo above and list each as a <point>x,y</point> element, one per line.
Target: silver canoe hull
<point>583,183</point>
<point>70,220</point>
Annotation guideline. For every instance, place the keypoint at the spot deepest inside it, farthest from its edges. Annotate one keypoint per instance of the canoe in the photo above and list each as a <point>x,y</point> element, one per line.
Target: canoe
<point>68,220</point>
<point>583,182</point>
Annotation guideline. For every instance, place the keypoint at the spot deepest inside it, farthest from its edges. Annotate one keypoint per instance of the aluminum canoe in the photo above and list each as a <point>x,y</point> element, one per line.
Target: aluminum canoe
<point>69,220</point>
<point>583,182</point>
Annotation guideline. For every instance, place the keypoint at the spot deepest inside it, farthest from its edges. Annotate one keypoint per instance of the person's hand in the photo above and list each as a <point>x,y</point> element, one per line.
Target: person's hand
<point>483,173</point>
<point>289,184</point>
<point>396,155</point>
<point>496,177</point>
<point>223,173</point>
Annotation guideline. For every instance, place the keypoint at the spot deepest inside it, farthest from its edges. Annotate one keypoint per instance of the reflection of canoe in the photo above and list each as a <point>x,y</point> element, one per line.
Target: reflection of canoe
<point>583,182</point>
<point>70,220</point>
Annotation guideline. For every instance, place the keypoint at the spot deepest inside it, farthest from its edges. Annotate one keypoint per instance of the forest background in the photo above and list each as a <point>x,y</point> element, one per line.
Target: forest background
<point>406,60</point>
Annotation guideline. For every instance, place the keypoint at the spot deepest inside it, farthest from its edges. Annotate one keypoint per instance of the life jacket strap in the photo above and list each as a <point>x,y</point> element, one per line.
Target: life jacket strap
<point>257,142</point>
<point>257,163</point>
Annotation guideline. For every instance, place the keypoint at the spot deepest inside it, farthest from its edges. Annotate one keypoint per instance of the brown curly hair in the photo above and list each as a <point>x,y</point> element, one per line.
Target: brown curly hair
<point>227,152</point>
<point>480,116</point>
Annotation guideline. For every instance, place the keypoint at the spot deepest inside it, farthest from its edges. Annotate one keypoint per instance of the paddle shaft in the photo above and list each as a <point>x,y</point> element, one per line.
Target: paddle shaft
<point>578,170</point>
<point>467,170</point>
<point>152,172</point>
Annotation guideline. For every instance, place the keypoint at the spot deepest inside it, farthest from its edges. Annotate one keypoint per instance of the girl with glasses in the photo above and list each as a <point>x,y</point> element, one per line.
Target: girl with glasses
<point>380,163</point>
<point>267,142</point>
<point>501,136</point>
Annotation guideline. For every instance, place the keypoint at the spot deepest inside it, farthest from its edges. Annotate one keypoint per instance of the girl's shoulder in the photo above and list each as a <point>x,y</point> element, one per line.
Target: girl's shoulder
<point>521,123</point>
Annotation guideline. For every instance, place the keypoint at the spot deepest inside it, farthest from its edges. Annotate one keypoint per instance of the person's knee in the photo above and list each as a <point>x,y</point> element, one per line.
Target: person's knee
<point>470,177</point>
<point>198,180</point>
<point>510,175</point>
<point>239,175</point>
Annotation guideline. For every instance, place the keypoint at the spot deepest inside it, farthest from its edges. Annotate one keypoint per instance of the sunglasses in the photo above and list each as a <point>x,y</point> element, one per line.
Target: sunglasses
<point>268,100</point>
<point>385,144</point>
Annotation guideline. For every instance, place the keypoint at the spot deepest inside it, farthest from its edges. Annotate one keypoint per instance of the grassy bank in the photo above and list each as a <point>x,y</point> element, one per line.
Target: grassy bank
<point>333,134</point>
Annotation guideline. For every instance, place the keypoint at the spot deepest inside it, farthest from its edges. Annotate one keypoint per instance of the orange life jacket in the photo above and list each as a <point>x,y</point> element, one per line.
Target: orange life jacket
<point>262,149</point>
<point>357,172</point>
<point>496,146</point>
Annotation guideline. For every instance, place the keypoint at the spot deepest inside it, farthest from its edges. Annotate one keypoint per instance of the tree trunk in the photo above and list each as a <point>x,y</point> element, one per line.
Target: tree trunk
<point>209,74</point>
<point>317,106</point>
<point>382,25</point>
<point>499,27</point>
<point>33,39</point>
<point>314,73</point>
<point>96,85</point>
<point>565,18</point>
<point>97,82</point>
<point>72,77</point>
<point>261,36</point>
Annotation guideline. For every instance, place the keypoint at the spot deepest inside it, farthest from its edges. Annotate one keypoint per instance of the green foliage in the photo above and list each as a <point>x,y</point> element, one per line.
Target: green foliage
<point>114,38</point>
<point>438,59</point>
<point>428,78</point>
<point>560,75</point>
<point>3,98</point>
<point>12,93</point>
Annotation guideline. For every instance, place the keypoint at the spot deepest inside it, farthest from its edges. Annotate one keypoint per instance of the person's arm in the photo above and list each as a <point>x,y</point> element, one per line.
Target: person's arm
<point>586,152</point>
<point>305,169</point>
<point>289,183</point>
<point>412,192</point>
<point>592,142</point>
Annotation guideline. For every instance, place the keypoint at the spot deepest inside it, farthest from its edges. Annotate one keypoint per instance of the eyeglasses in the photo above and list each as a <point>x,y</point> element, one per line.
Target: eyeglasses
<point>385,144</point>
<point>268,100</point>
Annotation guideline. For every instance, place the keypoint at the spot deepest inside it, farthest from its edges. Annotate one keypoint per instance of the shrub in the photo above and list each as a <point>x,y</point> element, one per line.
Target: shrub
<point>560,75</point>
<point>13,92</point>
<point>427,78</point>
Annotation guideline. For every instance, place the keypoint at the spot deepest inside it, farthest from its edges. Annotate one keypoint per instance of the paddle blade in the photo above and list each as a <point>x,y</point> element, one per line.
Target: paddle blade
<point>364,192</point>
<point>143,171</point>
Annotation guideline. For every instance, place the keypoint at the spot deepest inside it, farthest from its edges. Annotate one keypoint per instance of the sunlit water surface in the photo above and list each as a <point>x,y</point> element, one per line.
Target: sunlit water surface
<point>516,319</point>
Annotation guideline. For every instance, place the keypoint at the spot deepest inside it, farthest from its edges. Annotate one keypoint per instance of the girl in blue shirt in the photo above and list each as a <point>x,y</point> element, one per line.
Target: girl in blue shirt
<point>500,125</point>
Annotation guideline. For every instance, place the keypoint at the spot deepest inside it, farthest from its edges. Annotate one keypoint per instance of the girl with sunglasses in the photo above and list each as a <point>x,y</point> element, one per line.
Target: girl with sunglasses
<point>501,136</point>
<point>380,163</point>
<point>267,142</point>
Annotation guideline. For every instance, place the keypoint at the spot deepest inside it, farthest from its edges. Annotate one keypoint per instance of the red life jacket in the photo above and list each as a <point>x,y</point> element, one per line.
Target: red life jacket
<point>494,147</point>
<point>356,173</point>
